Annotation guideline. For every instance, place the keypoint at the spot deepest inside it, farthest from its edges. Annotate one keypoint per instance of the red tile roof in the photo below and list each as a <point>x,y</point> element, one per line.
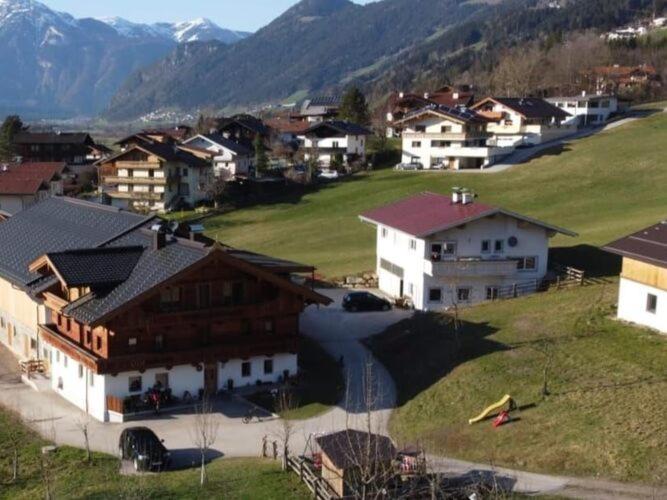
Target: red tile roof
<point>11,184</point>
<point>28,178</point>
<point>429,213</point>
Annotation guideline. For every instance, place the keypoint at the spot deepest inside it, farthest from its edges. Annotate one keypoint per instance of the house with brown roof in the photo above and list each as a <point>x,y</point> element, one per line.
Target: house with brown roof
<point>524,121</point>
<point>69,147</point>
<point>623,79</point>
<point>440,137</point>
<point>24,184</point>
<point>156,176</point>
<point>439,251</point>
<point>642,292</point>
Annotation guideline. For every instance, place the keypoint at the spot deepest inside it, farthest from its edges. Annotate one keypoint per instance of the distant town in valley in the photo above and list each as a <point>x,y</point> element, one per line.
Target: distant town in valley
<point>393,249</point>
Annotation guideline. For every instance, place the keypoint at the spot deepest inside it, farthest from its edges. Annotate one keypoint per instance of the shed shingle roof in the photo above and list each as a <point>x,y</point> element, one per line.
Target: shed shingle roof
<point>349,448</point>
<point>96,267</point>
<point>648,245</point>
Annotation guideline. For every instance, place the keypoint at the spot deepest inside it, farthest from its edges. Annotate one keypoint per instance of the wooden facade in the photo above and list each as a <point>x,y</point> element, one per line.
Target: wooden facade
<point>214,312</point>
<point>647,274</point>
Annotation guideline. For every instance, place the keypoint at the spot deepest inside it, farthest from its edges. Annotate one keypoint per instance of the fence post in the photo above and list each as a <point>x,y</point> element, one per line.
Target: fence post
<point>301,470</point>
<point>514,291</point>
<point>558,282</point>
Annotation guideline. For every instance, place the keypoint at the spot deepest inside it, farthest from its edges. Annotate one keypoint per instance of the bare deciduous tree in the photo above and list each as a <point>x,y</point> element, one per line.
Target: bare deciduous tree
<point>83,424</point>
<point>204,433</point>
<point>285,402</point>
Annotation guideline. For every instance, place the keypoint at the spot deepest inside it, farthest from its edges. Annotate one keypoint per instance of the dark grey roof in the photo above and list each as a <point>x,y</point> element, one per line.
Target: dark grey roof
<point>52,138</point>
<point>249,122</point>
<point>96,266</point>
<point>153,267</point>
<point>168,152</point>
<point>329,101</point>
<point>219,139</point>
<point>55,225</point>
<point>348,449</point>
<point>339,127</point>
<point>648,245</point>
<point>532,107</point>
<point>462,114</point>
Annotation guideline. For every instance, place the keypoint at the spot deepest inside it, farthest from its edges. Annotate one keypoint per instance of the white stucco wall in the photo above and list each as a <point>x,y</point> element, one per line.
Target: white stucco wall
<point>632,305</point>
<point>418,275</point>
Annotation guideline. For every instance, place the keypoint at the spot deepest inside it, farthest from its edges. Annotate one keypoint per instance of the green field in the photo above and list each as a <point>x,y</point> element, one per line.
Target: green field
<point>601,187</point>
<point>73,478</point>
<point>605,414</point>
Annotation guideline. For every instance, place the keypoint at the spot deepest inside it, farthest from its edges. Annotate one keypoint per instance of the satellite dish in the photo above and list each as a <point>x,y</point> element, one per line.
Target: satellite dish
<point>512,241</point>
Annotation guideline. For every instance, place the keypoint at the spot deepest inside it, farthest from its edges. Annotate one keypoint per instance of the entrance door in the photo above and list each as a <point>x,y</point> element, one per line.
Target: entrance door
<point>211,379</point>
<point>401,292</point>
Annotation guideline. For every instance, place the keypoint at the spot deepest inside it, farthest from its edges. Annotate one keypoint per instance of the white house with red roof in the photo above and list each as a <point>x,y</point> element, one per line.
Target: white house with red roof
<point>439,250</point>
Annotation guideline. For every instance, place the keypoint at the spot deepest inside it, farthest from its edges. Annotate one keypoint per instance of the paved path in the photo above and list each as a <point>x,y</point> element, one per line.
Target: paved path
<point>339,333</point>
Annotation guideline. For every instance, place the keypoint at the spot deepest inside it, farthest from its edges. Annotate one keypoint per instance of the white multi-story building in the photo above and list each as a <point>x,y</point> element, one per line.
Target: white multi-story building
<point>642,295</point>
<point>326,141</point>
<point>155,176</point>
<point>440,250</point>
<point>442,137</point>
<point>230,159</point>
<point>523,121</point>
<point>586,109</point>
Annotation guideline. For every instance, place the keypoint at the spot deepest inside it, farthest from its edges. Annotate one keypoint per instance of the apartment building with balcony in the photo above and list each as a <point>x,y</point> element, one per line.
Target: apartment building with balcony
<point>439,250</point>
<point>154,176</point>
<point>327,141</point>
<point>114,303</point>
<point>524,121</point>
<point>440,137</point>
<point>587,109</point>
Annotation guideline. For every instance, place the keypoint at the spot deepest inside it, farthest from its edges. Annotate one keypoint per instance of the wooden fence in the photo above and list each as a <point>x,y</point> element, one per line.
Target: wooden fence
<point>565,278</point>
<point>318,486</point>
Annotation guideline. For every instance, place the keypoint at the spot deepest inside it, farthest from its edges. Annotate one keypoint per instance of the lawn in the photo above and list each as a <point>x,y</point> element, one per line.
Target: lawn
<point>320,385</point>
<point>605,414</point>
<point>601,187</point>
<point>73,478</point>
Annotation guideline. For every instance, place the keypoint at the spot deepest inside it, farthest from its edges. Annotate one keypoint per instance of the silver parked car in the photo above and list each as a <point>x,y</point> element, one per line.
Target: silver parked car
<point>409,166</point>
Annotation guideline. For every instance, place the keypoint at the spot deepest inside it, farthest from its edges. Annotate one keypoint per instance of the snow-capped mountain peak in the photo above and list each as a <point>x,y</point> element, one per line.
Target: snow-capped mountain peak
<point>198,30</point>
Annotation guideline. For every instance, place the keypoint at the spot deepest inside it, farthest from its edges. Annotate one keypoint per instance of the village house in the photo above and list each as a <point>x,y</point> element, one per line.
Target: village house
<point>70,147</point>
<point>438,137</point>
<point>642,294</point>
<point>617,79</point>
<point>401,103</point>
<point>156,176</point>
<point>335,141</point>
<point>22,185</point>
<point>113,303</point>
<point>320,108</point>
<point>230,159</point>
<point>243,129</point>
<point>587,109</point>
<point>439,251</point>
<point>523,121</point>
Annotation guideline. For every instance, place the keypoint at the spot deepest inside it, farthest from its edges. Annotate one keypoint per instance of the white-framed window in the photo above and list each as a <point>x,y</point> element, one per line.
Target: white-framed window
<point>416,144</point>
<point>57,356</point>
<point>65,360</point>
<point>651,303</point>
<point>80,371</point>
<point>91,379</point>
<point>435,295</point>
<point>463,294</point>
<point>246,369</point>
<point>486,246</point>
<point>526,263</point>
<point>492,292</point>
<point>384,232</point>
<point>442,251</point>
<point>132,341</point>
<point>170,295</point>
<point>499,246</point>
<point>413,244</point>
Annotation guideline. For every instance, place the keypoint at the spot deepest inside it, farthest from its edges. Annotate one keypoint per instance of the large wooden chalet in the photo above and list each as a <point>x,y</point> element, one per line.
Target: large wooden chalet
<point>158,305</point>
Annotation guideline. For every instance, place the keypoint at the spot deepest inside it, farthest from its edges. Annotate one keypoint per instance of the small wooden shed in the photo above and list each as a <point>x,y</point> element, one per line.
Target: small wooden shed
<point>352,457</point>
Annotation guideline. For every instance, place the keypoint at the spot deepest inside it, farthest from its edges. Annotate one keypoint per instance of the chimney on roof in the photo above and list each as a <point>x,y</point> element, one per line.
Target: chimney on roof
<point>456,95</point>
<point>583,93</point>
<point>401,95</point>
<point>427,95</point>
<point>159,239</point>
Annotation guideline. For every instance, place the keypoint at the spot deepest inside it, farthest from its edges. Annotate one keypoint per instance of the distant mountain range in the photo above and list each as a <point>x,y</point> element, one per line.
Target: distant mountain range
<point>54,65</point>
<point>324,45</point>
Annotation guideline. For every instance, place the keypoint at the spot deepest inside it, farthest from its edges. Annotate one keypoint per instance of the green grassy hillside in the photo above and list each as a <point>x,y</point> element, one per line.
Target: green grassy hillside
<point>605,412</point>
<point>601,187</point>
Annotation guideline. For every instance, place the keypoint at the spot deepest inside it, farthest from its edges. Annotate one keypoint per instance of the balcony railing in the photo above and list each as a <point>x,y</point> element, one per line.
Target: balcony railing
<point>445,136</point>
<point>476,152</point>
<point>112,179</point>
<point>471,267</point>
<point>136,195</point>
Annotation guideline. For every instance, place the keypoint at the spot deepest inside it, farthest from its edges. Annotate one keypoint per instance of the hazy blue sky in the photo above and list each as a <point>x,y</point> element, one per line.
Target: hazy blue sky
<point>248,15</point>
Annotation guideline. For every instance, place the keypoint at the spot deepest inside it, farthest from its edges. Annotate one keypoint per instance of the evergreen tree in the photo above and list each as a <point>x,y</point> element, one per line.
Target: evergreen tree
<point>261,159</point>
<point>354,107</point>
<point>10,127</point>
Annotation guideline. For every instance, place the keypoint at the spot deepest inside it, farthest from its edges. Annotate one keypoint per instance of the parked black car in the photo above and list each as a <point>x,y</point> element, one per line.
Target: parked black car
<point>144,449</point>
<point>365,301</point>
